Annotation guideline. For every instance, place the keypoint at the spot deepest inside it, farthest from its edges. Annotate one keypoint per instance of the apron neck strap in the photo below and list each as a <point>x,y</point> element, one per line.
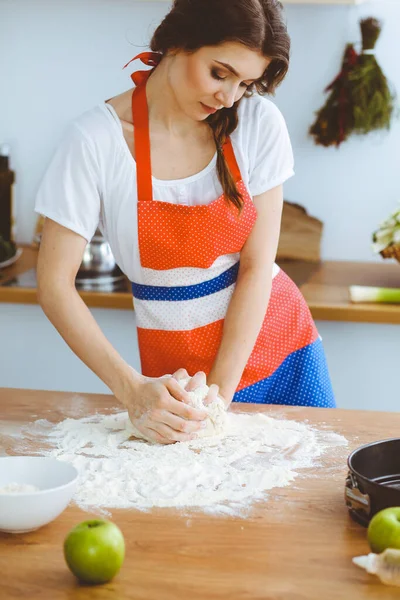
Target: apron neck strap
<point>151,59</point>
<point>140,118</point>
<point>230,158</point>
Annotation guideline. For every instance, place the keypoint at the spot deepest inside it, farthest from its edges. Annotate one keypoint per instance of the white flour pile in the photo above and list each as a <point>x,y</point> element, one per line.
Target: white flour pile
<point>224,473</point>
<point>18,488</point>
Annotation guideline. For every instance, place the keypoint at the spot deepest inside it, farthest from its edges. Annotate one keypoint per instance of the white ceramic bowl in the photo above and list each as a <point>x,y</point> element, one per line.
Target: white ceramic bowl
<point>56,480</point>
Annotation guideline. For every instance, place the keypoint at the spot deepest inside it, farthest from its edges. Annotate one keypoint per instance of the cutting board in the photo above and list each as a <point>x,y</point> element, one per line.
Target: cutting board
<point>300,237</point>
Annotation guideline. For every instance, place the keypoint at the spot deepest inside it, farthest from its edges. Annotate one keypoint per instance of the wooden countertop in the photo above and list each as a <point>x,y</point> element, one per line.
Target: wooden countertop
<point>297,545</point>
<point>324,286</point>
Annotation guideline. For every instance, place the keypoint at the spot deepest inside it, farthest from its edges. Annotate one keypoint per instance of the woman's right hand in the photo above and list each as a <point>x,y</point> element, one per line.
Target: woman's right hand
<point>158,408</point>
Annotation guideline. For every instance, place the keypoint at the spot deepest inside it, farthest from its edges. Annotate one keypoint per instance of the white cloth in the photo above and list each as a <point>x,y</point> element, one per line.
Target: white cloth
<point>91,180</point>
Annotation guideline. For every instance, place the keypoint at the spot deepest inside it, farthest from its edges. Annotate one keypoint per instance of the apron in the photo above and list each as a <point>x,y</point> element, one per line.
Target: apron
<point>189,257</point>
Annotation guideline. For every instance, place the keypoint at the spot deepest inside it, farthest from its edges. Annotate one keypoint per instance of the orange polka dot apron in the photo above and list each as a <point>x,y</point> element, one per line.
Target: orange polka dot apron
<point>189,257</point>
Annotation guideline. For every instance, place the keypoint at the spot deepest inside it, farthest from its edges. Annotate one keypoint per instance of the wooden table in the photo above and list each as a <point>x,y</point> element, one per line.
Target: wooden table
<point>325,286</point>
<point>297,545</point>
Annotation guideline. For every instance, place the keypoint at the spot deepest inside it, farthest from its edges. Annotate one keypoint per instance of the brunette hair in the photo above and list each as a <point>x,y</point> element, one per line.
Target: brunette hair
<point>257,24</point>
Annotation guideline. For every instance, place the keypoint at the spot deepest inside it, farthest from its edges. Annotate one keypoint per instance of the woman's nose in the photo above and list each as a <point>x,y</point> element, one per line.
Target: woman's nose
<point>227,96</point>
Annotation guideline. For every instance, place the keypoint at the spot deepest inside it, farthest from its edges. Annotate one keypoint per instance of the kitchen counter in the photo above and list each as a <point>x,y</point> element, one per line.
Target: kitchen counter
<point>324,286</point>
<point>296,545</point>
<point>28,295</point>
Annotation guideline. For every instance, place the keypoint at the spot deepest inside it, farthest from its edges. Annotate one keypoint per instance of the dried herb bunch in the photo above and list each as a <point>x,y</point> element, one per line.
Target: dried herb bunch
<point>372,98</point>
<point>360,98</point>
<point>335,120</point>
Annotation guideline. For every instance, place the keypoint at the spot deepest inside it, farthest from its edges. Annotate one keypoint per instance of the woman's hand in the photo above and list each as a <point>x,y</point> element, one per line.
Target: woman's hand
<point>158,409</point>
<point>199,379</point>
<point>196,381</point>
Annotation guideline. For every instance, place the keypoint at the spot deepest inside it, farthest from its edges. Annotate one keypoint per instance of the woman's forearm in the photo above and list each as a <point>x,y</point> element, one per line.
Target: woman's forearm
<point>73,320</point>
<point>242,325</point>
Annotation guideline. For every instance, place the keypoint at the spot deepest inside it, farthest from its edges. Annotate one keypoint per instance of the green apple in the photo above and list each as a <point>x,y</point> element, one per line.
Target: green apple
<point>94,551</point>
<point>384,530</point>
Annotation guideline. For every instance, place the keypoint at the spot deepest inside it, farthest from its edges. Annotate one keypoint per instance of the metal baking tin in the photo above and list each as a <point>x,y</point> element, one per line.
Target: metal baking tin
<point>373,480</point>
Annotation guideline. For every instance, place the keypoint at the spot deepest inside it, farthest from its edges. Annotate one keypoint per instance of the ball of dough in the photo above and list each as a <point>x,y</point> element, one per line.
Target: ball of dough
<point>216,420</point>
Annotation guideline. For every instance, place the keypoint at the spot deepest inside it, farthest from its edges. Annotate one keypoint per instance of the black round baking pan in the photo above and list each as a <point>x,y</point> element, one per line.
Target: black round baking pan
<point>373,480</point>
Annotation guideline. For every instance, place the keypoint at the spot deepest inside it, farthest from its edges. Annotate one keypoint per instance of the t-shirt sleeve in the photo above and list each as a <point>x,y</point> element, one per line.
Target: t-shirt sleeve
<point>69,192</point>
<point>270,152</point>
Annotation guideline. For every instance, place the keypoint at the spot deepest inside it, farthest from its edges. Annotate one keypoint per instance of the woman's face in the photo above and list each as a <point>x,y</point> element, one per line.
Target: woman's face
<point>214,77</point>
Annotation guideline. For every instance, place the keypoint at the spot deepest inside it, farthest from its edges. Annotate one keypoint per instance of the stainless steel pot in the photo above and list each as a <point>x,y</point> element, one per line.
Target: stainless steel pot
<point>98,263</point>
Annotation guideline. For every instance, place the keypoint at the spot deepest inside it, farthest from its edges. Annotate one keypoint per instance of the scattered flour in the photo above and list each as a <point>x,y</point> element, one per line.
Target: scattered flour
<point>224,473</point>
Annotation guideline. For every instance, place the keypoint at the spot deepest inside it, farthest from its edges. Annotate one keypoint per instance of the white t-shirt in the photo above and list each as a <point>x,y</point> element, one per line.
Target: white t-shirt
<point>91,180</point>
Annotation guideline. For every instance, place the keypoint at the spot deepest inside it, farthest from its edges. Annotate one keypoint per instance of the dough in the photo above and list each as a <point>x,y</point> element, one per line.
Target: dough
<point>216,410</point>
<point>216,421</point>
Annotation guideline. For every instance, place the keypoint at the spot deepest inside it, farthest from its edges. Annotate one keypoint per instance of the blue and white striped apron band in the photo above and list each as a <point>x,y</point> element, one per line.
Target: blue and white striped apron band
<point>186,292</point>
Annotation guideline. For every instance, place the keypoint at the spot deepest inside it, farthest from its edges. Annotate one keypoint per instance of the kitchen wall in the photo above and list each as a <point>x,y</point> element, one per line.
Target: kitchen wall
<point>60,58</point>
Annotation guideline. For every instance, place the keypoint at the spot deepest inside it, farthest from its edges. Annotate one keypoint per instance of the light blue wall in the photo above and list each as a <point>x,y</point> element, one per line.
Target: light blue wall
<point>59,58</point>
<point>34,356</point>
<point>354,188</point>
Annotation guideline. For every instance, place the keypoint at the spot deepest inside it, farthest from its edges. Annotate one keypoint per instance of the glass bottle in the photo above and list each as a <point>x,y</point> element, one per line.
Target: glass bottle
<point>7,178</point>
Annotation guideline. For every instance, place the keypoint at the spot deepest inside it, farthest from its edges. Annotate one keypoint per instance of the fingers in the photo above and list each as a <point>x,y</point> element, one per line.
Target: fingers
<point>168,429</point>
<point>182,425</point>
<point>212,394</point>
<point>146,432</point>
<point>181,374</point>
<point>162,413</point>
<point>155,437</point>
<point>165,432</point>
<point>176,391</point>
<point>180,409</point>
<point>171,418</point>
<point>196,381</point>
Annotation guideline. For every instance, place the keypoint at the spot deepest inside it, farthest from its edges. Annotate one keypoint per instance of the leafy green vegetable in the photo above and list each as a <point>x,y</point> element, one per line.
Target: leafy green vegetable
<point>360,293</point>
<point>388,233</point>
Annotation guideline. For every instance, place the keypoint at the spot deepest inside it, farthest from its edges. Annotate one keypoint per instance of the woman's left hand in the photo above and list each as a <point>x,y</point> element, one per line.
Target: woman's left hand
<point>196,381</point>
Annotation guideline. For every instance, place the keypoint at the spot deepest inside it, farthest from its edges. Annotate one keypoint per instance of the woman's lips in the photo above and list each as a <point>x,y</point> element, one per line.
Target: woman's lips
<point>209,109</point>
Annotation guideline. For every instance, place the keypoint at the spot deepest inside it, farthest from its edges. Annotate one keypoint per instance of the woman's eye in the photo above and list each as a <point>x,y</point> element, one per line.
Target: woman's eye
<point>218,77</point>
<point>215,74</point>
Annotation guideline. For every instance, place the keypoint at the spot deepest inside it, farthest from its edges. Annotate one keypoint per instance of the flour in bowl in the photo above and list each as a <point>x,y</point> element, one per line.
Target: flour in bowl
<point>18,488</point>
<point>227,473</point>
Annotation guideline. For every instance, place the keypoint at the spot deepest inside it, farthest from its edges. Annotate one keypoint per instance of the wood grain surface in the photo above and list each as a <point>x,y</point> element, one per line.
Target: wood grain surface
<point>297,544</point>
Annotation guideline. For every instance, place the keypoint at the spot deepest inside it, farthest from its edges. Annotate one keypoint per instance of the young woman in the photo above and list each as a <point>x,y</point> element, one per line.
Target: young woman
<point>184,175</point>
